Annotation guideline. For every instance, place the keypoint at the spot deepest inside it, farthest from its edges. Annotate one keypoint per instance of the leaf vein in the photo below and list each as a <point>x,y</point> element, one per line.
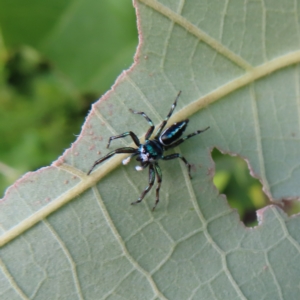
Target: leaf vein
<point>257,73</point>
<point>260,153</point>
<point>12,281</point>
<point>69,258</point>
<point>279,290</point>
<point>201,35</point>
<point>208,236</point>
<point>123,246</point>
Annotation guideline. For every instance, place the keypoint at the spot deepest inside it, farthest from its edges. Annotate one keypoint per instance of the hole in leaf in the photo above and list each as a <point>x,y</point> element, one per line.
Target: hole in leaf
<point>243,192</point>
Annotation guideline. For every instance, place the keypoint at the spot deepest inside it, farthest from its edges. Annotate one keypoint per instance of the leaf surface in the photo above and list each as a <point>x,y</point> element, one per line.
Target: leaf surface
<point>237,66</point>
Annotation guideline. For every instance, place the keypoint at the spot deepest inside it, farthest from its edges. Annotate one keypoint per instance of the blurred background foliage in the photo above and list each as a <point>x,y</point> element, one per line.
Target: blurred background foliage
<point>58,57</point>
<point>48,74</point>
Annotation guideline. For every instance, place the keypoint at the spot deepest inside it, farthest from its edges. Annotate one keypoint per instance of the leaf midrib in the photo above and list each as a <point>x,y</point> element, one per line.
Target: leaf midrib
<point>109,166</point>
<point>89,181</point>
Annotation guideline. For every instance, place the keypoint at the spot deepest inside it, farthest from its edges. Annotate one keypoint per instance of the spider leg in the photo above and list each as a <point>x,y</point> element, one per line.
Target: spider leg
<point>151,182</point>
<point>164,122</point>
<point>159,180</point>
<point>178,142</point>
<point>151,129</point>
<point>122,135</point>
<point>178,155</point>
<point>110,154</point>
<point>127,159</point>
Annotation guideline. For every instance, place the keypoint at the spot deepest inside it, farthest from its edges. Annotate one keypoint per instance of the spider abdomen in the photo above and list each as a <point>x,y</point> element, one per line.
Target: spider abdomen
<point>172,133</point>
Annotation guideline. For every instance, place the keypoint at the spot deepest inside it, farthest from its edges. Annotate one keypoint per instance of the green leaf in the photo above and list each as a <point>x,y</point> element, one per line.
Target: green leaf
<point>237,66</point>
<point>71,34</point>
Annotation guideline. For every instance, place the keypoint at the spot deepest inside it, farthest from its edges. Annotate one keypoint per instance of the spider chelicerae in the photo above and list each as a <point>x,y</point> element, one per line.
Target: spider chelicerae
<point>152,150</point>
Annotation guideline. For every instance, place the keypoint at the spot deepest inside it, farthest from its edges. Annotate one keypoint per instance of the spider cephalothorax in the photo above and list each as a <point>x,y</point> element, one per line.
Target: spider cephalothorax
<point>152,150</point>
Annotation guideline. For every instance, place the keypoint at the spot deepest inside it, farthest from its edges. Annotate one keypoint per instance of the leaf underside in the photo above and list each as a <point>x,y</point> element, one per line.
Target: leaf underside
<point>237,66</point>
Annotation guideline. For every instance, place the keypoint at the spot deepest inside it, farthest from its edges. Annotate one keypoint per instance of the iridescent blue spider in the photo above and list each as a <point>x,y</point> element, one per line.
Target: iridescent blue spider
<point>152,150</point>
